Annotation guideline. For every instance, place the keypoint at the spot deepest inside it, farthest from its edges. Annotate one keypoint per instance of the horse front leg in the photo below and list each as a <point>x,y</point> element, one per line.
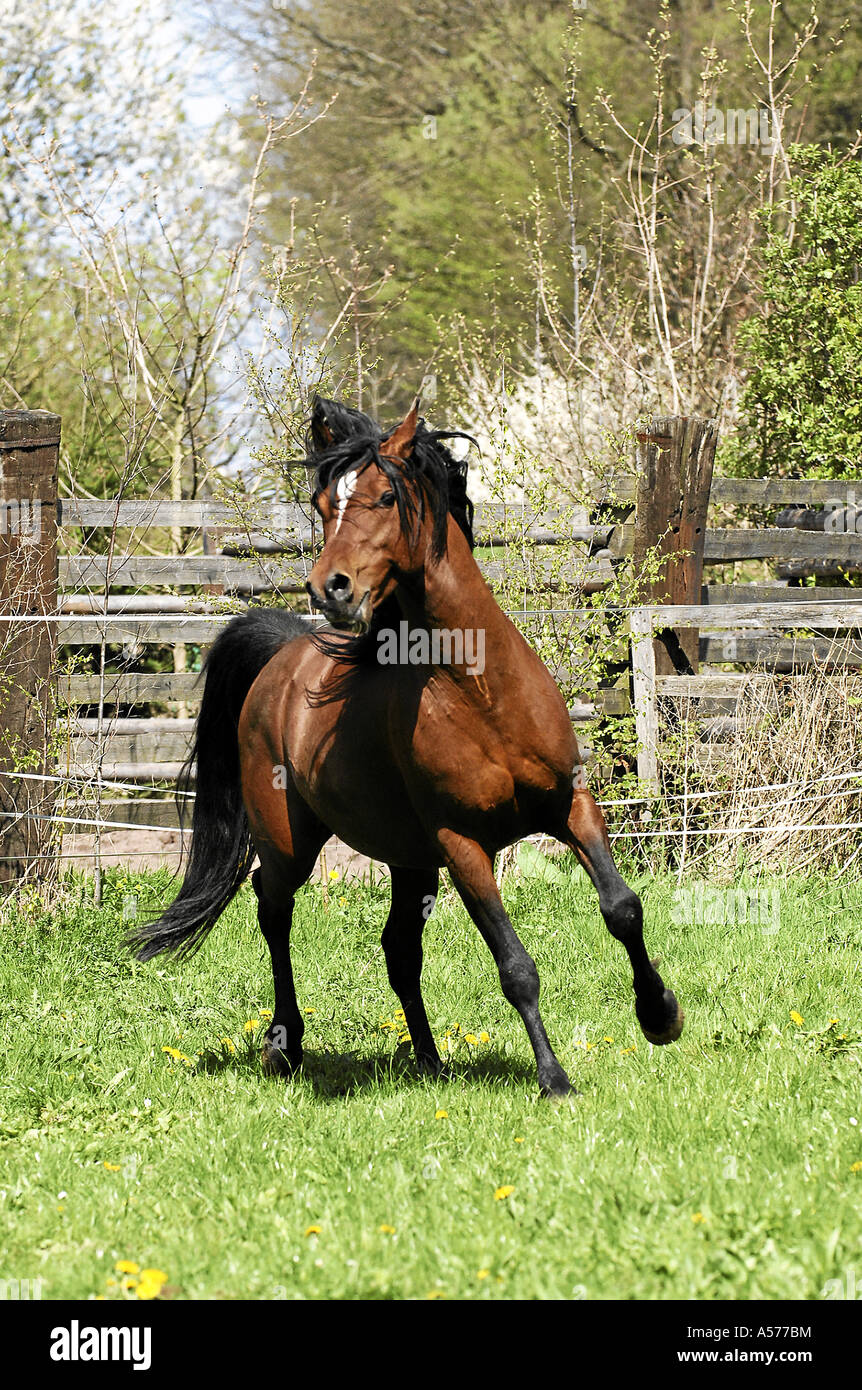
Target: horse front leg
<point>472,872</point>
<point>658,1012</point>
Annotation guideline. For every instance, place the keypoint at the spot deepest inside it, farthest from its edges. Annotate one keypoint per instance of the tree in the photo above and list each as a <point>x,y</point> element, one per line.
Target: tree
<point>801,405</point>
<point>126,284</point>
<point>458,127</point>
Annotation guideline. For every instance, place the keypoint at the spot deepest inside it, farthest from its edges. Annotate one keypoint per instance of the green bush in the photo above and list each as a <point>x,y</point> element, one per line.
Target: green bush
<point>801,406</point>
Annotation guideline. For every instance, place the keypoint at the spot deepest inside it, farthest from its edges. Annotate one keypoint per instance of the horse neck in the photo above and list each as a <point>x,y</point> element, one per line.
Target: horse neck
<point>453,595</point>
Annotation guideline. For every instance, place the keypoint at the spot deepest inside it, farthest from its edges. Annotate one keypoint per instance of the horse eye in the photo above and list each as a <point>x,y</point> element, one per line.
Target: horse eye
<point>387,500</point>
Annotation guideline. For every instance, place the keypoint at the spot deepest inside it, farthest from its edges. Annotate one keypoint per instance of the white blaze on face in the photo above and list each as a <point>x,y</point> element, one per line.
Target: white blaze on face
<point>343,491</point>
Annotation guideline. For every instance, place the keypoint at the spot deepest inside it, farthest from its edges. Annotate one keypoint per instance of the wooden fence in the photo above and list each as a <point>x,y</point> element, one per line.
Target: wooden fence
<point>69,583</point>
<point>748,622</point>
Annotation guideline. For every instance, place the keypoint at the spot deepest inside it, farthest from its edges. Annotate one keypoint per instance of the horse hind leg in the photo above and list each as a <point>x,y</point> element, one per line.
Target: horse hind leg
<point>275,884</point>
<point>657,1010</point>
<point>413,895</point>
<point>282,1044</point>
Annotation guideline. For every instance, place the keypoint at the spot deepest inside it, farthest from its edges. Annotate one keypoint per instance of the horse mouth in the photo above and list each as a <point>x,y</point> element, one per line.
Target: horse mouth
<point>346,618</point>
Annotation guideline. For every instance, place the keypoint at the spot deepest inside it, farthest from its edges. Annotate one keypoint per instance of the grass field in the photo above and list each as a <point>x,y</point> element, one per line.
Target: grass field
<point>726,1166</point>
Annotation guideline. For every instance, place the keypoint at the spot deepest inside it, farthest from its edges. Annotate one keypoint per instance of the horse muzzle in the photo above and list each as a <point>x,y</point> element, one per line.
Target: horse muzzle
<point>341,612</point>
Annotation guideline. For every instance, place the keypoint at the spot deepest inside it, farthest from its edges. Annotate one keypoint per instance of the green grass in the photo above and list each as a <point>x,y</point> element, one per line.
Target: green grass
<point>720,1167</point>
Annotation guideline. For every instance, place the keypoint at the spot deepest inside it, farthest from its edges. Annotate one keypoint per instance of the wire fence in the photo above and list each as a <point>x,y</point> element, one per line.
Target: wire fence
<point>653,831</point>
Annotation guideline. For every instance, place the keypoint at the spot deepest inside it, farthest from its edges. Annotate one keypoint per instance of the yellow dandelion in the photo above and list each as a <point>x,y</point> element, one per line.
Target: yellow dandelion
<point>342,902</point>
<point>797,1018</point>
<point>484,1037</point>
<point>399,1013</point>
<point>698,1218</point>
<point>519,1138</point>
<point>312,1230</point>
<point>228,1043</point>
<point>151,1284</point>
<point>265,1014</point>
<point>856,1167</point>
<point>126,1267</point>
<point>404,1037</point>
<point>110,1283</point>
<point>334,875</point>
<point>483,1274</point>
<point>309,1011</point>
<point>387,1230</point>
<point>502,1193</point>
<point>625,1050</point>
<point>111,1167</point>
<point>435,1293</point>
<point>250,1025</point>
<point>470,1038</point>
<point>441,1114</point>
<point>129,1284</point>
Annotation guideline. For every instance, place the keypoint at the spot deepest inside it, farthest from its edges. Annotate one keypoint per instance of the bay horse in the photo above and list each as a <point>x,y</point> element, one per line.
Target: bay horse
<point>421,765</point>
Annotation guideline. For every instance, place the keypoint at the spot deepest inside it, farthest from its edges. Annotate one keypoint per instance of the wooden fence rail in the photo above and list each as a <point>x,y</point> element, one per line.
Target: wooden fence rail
<point>648,684</point>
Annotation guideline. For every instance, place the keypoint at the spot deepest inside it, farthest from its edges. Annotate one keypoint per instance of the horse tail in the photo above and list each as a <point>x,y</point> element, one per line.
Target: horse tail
<point>221,851</point>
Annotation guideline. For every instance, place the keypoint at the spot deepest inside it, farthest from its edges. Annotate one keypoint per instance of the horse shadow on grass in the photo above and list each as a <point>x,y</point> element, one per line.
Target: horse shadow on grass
<point>334,1075</point>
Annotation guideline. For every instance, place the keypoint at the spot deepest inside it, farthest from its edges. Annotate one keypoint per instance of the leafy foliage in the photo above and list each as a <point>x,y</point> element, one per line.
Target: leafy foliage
<point>802,401</point>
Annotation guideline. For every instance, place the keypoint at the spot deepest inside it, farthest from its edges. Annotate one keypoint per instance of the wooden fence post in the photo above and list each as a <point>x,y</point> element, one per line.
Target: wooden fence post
<point>675,458</point>
<point>641,624</point>
<point>29,452</point>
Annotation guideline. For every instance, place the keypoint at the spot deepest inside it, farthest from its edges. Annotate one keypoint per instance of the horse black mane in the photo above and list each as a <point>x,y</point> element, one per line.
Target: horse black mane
<point>340,439</point>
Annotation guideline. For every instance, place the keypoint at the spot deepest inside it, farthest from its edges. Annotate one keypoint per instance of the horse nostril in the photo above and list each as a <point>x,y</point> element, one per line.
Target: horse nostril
<point>338,587</point>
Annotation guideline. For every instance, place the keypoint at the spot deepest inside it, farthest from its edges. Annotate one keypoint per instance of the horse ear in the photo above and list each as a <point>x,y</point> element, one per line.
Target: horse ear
<point>321,433</point>
<point>399,441</point>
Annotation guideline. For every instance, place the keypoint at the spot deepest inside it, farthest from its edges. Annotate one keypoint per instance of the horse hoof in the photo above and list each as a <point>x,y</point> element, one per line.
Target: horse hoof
<point>277,1063</point>
<point>433,1068</point>
<point>558,1087</point>
<point>671,1025</point>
